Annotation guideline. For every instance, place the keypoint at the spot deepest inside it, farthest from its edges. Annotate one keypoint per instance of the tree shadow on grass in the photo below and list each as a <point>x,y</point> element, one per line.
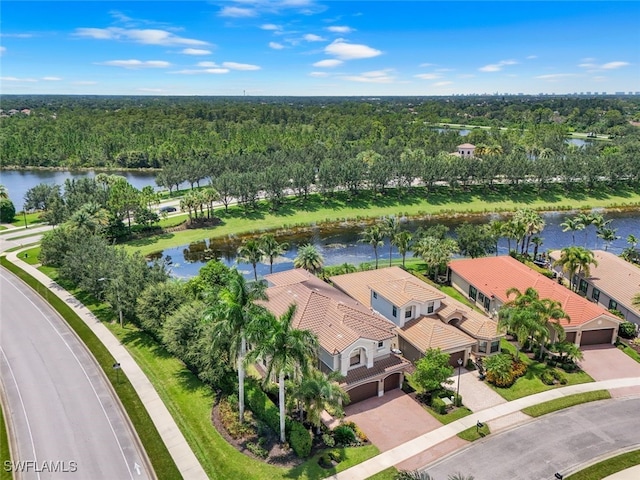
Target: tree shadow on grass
<point>150,240</point>
<point>312,470</point>
<point>139,339</point>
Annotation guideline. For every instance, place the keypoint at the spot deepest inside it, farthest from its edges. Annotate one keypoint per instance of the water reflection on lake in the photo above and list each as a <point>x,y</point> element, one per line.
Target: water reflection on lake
<point>340,243</point>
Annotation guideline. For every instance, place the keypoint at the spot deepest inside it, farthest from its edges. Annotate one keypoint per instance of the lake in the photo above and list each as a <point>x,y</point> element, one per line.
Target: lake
<point>340,243</point>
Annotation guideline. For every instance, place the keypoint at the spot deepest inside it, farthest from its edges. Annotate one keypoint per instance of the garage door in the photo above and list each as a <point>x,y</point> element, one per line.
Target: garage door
<point>596,337</point>
<point>453,358</point>
<point>392,382</point>
<point>363,392</point>
<point>571,337</point>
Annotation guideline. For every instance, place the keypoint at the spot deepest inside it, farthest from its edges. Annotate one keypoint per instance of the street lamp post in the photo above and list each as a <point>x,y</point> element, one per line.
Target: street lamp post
<point>104,279</point>
<point>458,386</point>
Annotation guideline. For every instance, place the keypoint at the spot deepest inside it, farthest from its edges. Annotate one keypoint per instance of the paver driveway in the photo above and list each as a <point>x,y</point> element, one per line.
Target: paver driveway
<point>391,420</point>
<point>605,362</point>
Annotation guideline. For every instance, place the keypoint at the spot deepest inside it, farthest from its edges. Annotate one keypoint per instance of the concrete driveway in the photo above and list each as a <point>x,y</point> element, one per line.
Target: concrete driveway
<point>605,362</point>
<point>391,420</point>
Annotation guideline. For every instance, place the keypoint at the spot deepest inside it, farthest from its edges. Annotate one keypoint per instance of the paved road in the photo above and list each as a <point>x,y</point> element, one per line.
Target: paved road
<point>62,412</point>
<point>553,443</point>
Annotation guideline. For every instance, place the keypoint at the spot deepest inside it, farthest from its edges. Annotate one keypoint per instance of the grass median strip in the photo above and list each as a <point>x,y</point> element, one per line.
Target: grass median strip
<point>160,458</point>
<point>565,402</point>
<point>474,433</point>
<point>608,467</point>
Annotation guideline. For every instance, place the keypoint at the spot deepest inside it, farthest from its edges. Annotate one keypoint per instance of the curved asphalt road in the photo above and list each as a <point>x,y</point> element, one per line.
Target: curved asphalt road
<point>557,442</point>
<point>62,414</point>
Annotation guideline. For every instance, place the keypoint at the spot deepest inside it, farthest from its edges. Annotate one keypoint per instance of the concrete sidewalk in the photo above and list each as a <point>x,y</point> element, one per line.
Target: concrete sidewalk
<point>178,447</point>
<point>429,440</point>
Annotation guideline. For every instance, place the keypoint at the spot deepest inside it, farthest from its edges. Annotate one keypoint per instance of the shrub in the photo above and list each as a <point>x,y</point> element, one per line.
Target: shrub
<point>439,406</point>
<point>261,405</point>
<point>344,435</point>
<point>518,369</point>
<point>335,455</point>
<point>325,461</point>
<point>547,377</point>
<point>229,418</point>
<point>328,440</point>
<point>7,210</point>
<point>559,376</point>
<point>627,330</point>
<point>356,429</point>
<point>257,450</point>
<point>300,439</point>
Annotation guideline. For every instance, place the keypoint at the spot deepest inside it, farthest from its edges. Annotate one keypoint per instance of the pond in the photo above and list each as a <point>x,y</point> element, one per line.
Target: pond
<point>341,243</point>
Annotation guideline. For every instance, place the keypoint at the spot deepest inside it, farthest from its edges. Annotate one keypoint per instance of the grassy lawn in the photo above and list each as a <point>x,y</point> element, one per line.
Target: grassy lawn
<point>2,227</point>
<point>190,402</point>
<point>530,383</point>
<point>608,467</point>
<point>343,207</point>
<point>5,454</point>
<point>154,446</point>
<point>474,433</point>
<point>630,351</point>
<point>32,218</point>
<point>30,256</point>
<point>565,402</point>
<point>388,474</point>
<point>456,414</point>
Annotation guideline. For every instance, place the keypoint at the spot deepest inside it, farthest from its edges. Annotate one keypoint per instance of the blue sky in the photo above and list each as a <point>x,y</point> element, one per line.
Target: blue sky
<point>309,47</point>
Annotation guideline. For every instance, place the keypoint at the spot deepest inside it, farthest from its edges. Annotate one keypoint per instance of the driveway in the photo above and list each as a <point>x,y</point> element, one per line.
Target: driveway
<point>391,420</point>
<point>605,362</point>
<point>476,394</point>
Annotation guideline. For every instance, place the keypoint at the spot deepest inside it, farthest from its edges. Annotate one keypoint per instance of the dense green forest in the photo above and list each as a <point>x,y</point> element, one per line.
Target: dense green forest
<point>250,132</point>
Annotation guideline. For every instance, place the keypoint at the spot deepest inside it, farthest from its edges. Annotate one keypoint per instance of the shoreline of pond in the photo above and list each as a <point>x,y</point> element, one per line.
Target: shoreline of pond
<point>41,168</point>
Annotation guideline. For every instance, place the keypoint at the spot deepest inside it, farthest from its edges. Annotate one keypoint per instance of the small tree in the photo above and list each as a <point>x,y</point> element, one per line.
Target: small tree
<point>433,370</point>
<point>7,210</point>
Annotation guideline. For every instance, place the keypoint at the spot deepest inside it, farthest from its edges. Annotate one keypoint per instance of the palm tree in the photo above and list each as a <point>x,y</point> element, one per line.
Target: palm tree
<point>390,229</point>
<point>90,218</point>
<point>530,223</point>
<point>309,258</point>
<point>496,229</point>
<point>576,261</point>
<point>4,193</point>
<point>271,248</point>
<point>318,391</point>
<point>210,196</point>
<point>572,224</point>
<point>567,350</point>
<point>435,252</point>
<point>537,242</point>
<point>585,219</point>
<point>250,252</point>
<point>517,317</point>
<point>374,236</point>
<point>287,351</point>
<point>402,240</point>
<point>608,236</point>
<point>233,319</point>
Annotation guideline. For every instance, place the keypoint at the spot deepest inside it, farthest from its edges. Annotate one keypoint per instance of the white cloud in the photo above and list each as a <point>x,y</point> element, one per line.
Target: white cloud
<point>151,90</point>
<point>555,76</point>
<point>350,51</point>
<point>340,29</point>
<point>319,74</point>
<point>532,57</point>
<point>195,51</point>
<point>207,64</point>
<point>310,37</point>
<point>16,35</point>
<point>428,76</point>
<point>237,12</point>
<point>217,70</point>
<point>276,45</point>
<point>146,36</point>
<point>51,79</point>
<point>442,84</point>
<point>84,82</point>
<point>612,65</point>
<point>427,65</point>
<point>271,26</point>
<point>329,63</point>
<point>133,63</point>
<point>16,79</point>
<point>214,71</point>
<point>2,50</point>
<point>240,66</point>
<point>376,76</point>
<point>496,67</point>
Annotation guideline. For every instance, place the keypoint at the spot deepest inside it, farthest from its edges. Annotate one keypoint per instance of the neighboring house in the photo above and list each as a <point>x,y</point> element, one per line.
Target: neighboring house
<point>612,284</point>
<point>426,318</point>
<point>486,281</point>
<point>354,340</point>
<point>465,150</point>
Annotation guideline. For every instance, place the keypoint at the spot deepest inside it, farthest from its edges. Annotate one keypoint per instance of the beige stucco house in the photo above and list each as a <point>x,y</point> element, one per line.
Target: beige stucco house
<point>425,317</point>
<point>354,340</point>
<point>486,280</point>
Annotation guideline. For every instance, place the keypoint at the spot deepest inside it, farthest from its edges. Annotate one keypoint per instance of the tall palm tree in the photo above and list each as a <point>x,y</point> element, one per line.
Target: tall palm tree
<point>537,243</point>
<point>90,218</point>
<point>318,391</point>
<point>286,350</point>
<point>390,228</point>
<point>374,236</point>
<point>309,258</point>
<point>250,252</point>
<point>232,319</point>
<point>585,219</point>
<point>402,240</point>
<point>573,225</point>
<point>4,193</point>
<point>271,248</point>
<point>496,229</point>
<point>211,196</point>
<point>608,236</point>
<point>531,223</point>
<point>517,317</point>
<point>435,252</point>
<point>576,261</point>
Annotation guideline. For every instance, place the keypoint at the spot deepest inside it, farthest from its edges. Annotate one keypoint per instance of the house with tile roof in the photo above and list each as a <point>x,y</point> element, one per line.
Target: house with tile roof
<point>426,318</point>
<point>486,280</point>
<point>612,284</point>
<point>465,150</point>
<point>354,340</point>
